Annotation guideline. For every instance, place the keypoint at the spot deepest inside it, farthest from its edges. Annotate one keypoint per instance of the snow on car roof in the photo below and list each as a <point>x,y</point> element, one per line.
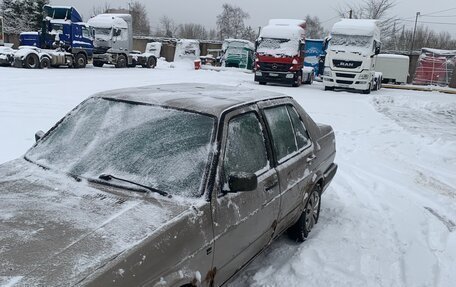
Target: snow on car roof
<point>365,27</point>
<point>202,98</point>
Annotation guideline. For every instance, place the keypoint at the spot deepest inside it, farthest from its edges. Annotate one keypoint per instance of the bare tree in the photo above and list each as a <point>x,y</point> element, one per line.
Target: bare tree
<point>141,24</point>
<point>167,27</point>
<point>249,34</point>
<point>314,29</point>
<point>192,31</point>
<point>230,22</point>
<point>96,10</point>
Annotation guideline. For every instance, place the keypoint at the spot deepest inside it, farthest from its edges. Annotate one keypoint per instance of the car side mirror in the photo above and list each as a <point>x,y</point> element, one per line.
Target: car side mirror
<point>238,182</point>
<point>39,135</point>
<point>377,50</point>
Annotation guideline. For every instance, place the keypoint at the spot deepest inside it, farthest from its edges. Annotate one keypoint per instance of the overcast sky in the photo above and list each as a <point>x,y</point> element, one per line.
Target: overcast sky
<point>205,11</point>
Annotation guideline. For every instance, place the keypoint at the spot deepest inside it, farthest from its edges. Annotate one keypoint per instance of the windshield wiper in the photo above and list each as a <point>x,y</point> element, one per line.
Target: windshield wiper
<point>108,177</point>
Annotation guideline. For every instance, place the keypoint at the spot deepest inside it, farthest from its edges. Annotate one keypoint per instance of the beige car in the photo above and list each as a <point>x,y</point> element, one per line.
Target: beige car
<point>170,185</point>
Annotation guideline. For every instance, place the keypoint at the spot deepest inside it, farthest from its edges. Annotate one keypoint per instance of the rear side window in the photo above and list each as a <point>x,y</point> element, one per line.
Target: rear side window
<point>245,147</point>
<point>282,131</point>
<point>302,137</point>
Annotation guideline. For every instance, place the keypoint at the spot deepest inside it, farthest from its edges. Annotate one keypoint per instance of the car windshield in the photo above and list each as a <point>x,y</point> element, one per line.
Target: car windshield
<point>351,40</point>
<point>273,46</point>
<point>164,148</point>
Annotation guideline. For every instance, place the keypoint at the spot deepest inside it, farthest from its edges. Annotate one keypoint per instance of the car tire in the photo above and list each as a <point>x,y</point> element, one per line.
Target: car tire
<point>309,217</point>
<point>32,61</point>
<point>45,63</point>
<point>150,63</point>
<point>121,61</point>
<point>98,64</point>
<point>80,61</point>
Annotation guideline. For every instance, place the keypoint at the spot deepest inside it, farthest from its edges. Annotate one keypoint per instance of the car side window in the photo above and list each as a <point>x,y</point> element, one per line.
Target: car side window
<point>302,137</point>
<point>245,150</point>
<point>282,131</point>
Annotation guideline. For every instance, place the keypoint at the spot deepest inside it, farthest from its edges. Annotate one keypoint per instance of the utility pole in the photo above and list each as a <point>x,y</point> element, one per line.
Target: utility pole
<point>350,14</point>
<point>414,31</point>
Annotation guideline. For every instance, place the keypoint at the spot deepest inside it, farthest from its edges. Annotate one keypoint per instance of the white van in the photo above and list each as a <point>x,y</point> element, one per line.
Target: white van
<point>395,68</point>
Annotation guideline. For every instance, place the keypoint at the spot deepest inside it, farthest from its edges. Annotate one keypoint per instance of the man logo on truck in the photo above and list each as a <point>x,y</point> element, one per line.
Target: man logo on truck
<point>346,64</point>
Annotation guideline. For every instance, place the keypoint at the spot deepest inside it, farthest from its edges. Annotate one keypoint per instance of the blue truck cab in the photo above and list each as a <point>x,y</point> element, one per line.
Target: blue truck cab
<point>62,27</point>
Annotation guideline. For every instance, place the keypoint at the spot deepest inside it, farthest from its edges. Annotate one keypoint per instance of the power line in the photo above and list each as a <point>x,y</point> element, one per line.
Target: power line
<point>441,11</point>
<point>427,22</point>
<point>443,16</point>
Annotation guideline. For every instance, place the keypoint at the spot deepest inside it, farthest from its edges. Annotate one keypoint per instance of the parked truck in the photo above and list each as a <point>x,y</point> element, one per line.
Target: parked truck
<point>63,40</point>
<point>280,51</point>
<point>238,53</point>
<point>350,57</point>
<point>113,42</point>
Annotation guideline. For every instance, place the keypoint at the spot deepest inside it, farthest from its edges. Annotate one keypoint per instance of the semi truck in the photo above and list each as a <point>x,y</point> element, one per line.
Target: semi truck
<point>350,57</point>
<point>113,42</point>
<point>62,32</point>
<point>279,53</point>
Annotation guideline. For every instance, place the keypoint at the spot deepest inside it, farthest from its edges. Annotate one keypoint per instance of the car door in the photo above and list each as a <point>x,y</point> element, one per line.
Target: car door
<point>293,154</point>
<point>244,222</point>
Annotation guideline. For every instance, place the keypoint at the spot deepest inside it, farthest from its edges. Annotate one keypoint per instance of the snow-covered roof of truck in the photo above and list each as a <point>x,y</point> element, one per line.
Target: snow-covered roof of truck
<point>108,21</point>
<point>282,32</point>
<point>202,98</point>
<point>363,27</point>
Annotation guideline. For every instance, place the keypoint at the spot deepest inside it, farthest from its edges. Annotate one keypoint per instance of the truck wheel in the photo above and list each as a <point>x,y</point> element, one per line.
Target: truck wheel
<point>151,63</point>
<point>80,61</point>
<point>310,79</point>
<point>31,61</point>
<point>298,81</point>
<point>45,63</point>
<point>121,61</point>
<point>309,217</point>
<point>328,88</point>
<point>368,91</point>
<point>98,64</point>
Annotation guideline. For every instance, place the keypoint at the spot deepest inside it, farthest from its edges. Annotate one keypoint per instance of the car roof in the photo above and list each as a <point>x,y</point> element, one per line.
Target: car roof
<point>201,98</point>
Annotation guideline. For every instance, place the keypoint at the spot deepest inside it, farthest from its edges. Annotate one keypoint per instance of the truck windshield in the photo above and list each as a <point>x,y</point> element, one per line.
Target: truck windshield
<point>102,31</point>
<point>351,40</point>
<point>164,148</point>
<point>274,46</point>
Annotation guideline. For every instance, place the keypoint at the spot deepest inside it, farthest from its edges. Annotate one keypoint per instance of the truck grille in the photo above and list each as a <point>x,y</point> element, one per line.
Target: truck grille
<point>344,82</point>
<point>344,75</point>
<point>275,67</point>
<point>347,64</point>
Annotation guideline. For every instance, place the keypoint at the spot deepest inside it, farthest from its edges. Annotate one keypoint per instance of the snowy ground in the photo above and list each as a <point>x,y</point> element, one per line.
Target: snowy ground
<point>389,217</point>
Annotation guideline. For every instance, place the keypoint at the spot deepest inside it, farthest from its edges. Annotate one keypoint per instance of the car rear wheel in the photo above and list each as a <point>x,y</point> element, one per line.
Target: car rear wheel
<point>309,217</point>
<point>32,61</point>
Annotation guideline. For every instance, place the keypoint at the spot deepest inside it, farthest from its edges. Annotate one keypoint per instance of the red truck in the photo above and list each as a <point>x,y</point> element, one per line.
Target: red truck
<point>279,53</point>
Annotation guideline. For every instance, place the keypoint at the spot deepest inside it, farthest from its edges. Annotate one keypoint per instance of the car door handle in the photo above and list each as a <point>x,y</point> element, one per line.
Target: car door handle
<point>271,185</point>
<point>311,158</point>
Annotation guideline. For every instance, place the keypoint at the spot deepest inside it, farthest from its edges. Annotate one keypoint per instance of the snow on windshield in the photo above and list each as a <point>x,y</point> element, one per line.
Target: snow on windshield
<point>164,148</point>
<point>278,47</point>
<point>352,40</point>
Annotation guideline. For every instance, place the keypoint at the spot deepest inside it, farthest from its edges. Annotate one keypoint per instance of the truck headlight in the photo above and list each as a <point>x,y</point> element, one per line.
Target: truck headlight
<point>327,73</point>
<point>363,77</point>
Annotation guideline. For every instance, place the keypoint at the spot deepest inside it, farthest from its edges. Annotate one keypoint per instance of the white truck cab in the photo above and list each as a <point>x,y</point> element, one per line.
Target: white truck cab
<point>350,58</point>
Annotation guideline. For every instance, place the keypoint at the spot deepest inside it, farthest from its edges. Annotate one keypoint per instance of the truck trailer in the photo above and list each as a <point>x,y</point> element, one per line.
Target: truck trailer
<point>113,42</point>
<point>350,57</point>
<point>62,32</point>
<point>279,53</point>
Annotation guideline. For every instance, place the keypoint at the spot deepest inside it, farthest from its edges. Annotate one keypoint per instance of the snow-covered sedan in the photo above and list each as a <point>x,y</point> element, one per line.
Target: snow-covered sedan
<point>170,185</point>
